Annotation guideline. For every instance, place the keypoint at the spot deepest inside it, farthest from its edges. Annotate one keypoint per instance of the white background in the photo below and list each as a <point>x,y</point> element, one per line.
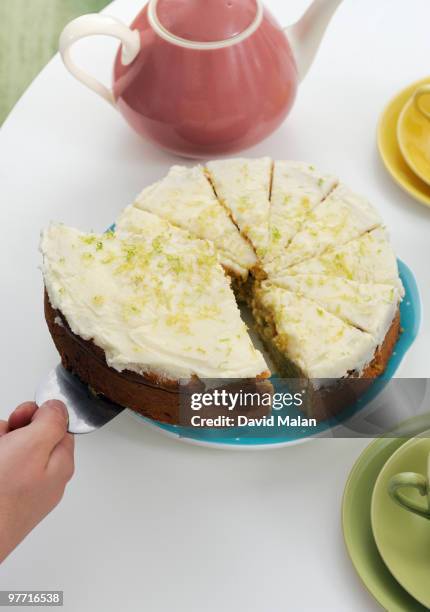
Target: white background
<point>153,524</point>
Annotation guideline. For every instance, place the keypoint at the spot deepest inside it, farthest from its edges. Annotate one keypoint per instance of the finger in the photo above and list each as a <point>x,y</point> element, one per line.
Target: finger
<point>61,461</point>
<point>22,415</point>
<point>67,444</point>
<point>3,427</point>
<point>48,426</point>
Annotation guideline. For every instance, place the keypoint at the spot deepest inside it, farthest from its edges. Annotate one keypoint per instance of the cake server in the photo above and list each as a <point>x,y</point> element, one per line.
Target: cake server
<point>87,412</point>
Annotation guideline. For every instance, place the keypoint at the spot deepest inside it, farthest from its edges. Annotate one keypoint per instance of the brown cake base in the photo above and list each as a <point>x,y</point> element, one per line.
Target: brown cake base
<point>153,397</point>
<point>159,399</point>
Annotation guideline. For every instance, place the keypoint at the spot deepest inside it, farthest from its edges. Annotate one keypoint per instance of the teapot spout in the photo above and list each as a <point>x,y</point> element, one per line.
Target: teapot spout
<point>306,34</point>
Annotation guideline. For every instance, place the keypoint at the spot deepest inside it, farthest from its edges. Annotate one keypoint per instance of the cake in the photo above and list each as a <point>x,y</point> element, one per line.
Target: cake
<point>137,311</point>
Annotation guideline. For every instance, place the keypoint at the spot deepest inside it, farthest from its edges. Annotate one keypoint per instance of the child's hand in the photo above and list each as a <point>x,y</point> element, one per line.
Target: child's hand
<point>36,462</point>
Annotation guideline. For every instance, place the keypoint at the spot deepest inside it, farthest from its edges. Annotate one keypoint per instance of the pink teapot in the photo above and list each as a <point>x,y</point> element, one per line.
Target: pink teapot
<point>204,77</point>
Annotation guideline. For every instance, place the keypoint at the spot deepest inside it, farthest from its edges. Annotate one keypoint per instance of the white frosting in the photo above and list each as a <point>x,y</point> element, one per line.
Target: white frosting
<point>186,199</point>
<point>148,227</point>
<point>341,217</point>
<point>153,300</point>
<point>367,259</point>
<point>136,221</point>
<point>243,186</point>
<point>296,189</point>
<point>154,296</point>
<point>369,307</point>
<point>321,344</point>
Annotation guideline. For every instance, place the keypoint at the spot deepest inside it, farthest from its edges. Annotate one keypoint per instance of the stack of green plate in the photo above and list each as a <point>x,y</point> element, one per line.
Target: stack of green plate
<point>388,545</point>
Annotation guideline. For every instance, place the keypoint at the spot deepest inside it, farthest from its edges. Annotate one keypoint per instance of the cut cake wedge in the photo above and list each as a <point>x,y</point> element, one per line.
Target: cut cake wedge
<point>243,186</point>
<point>329,361</point>
<point>186,199</point>
<point>341,217</point>
<point>367,306</point>
<point>367,259</point>
<point>297,188</point>
<point>156,307</point>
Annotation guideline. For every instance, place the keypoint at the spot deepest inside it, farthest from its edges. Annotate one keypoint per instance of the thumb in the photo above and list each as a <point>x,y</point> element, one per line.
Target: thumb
<point>49,424</point>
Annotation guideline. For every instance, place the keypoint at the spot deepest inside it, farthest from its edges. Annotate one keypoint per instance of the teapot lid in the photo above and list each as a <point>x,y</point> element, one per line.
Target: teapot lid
<point>206,21</point>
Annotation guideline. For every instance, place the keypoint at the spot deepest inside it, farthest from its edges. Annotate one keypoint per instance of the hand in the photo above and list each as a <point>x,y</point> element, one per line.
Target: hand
<point>36,462</point>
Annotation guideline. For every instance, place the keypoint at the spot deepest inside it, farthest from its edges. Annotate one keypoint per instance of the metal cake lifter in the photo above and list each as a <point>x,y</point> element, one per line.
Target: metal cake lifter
<point>87,412</point>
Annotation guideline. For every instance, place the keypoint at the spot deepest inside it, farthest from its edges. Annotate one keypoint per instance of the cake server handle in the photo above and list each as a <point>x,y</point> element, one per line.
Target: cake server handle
<point>87,412</point>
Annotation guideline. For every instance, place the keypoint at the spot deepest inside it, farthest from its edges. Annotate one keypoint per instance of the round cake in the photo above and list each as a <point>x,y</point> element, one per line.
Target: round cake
<point>139,311</point>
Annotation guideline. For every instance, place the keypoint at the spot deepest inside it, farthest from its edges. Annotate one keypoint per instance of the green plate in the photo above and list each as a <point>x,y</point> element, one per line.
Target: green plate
<point>402,537</point>
<point>357,528</point>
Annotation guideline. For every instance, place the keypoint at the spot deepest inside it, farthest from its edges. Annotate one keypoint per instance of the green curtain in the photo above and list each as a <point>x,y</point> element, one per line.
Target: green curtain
<point>29,31</point>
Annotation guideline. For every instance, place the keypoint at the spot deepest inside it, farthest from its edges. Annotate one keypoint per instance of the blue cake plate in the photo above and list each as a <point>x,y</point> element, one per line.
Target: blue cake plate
<point>260,437</point>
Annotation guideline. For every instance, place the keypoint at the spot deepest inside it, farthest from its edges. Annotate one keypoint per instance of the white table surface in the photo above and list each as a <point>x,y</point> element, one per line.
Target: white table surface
<point>149,523</point>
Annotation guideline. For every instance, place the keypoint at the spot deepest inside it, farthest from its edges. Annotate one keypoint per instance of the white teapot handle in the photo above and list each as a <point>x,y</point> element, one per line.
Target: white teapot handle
<point>88,25</point>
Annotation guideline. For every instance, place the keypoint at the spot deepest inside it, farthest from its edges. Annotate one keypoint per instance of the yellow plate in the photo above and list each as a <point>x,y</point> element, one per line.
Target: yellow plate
<point>413,135</point>
<point>390,150</point>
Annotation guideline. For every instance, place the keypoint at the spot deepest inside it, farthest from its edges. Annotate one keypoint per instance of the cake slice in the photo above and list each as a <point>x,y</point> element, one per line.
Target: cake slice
<point>145,225</point>
<point>341,217</point>
<point>369,307</point>
<point>297,188</point>
<point>130,310</point>
<point>243,186</point>
<point>367,259</point>
<point>306,340</point>
<point>329,361</point>
<point>186,199</point>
